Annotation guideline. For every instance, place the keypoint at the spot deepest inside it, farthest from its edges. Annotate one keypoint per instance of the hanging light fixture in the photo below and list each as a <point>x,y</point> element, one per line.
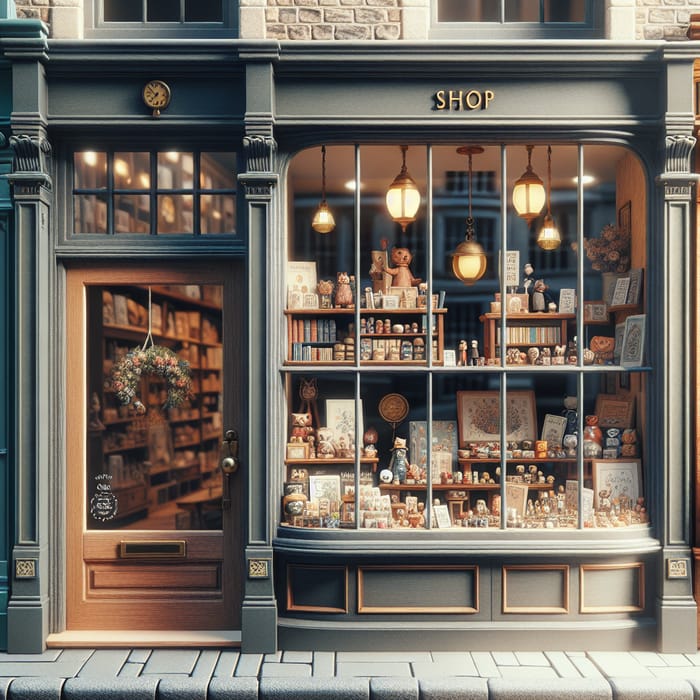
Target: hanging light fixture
<point>549,238</point>
<point>403,197</point>
<point>323,221</point>
<point>469,259</point>
<point>528,192</point>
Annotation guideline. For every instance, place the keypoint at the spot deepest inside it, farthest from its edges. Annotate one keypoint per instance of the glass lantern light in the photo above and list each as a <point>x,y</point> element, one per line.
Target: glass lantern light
<point>323,221</point>
<point>549,237</point>
<point>469,258</point>
<point>528,192</point>
<point>403,197</point>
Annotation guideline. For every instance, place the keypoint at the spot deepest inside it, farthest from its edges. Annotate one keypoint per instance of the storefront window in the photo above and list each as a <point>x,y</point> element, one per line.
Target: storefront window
<point>154,193</point>
<point>515,400</point>
<point>162,11</point>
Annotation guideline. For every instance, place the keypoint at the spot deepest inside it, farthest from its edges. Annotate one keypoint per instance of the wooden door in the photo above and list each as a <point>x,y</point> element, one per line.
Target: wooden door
<point>153,530</point>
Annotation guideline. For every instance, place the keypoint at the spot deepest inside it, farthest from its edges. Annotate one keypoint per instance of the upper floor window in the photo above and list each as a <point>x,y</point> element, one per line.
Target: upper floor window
<point>518,18</point>
<point>162,17</point>
<point>154,192</point>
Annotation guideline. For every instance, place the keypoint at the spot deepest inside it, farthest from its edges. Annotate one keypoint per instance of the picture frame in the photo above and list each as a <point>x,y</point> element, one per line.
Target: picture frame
<point>340,418</point>
<point>297,450</point>
<point>553,429</point>
<point>634,293</point>
<point>478,416</point>
<point>615,411</point>
<point>441,517</point>
<point>633,341</point>
<point>408,296</point>
<point>619,477</point>
<point>301,276</point>
<point>619,338</point>
<point>595,312</point>
<point>324,487</point>
<point>567,301</point>
<point>516,498</point>
<point>619,297</point>
<point>390,301</point>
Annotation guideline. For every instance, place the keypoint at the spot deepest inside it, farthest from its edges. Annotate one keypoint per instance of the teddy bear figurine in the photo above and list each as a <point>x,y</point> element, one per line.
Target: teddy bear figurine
<point>401,274</point>
<point>343,292</point>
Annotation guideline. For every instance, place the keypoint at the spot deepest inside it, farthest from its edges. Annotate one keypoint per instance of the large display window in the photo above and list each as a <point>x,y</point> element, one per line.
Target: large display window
<point>465,338</point>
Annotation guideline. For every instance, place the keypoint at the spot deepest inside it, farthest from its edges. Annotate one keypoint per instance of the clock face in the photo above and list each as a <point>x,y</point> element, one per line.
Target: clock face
<point>156,94</point>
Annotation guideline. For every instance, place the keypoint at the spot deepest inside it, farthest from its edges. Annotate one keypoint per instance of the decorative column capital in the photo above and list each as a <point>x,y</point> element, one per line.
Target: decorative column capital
<point>678,150</point>
<point>30,165</point>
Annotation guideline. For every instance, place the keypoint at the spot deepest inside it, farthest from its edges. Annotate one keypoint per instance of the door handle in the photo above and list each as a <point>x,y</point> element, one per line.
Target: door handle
<point>229,464</point>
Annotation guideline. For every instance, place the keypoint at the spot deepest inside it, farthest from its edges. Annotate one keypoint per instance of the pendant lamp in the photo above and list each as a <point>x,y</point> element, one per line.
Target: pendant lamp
<point>403,197</point>
<point>528,192</point>
<point>549,238</point>
<point>323,221</point>
<point>469,259</point>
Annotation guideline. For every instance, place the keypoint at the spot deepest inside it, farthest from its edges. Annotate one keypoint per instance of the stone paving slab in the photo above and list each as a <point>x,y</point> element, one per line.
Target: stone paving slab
<point>183,689</point>
<point>404,656</point>
<point>651,689</point>
<point>323,665</point>
<point>273,670</point>
<point>110,689</point>
<point>104,663</point>
<point>531,658</point>
<point>455,663</point>
<point>226,664</point>
<point>67,665</point>
<point>48,655</point>
<point>542,689</point>
<point>206,663</point>
<point>233,689</point>
<point>485,664</point>
<point>393,689</point>
<point>528,672</point>
<point>35,689</point>
<point>454,689</point>
<point>315,689</point>
<point>373,669</point>
<point>248,665</point>
<point>171,661</point>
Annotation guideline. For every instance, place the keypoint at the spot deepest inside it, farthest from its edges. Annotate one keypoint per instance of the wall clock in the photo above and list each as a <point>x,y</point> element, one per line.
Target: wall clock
<point>156,95</point>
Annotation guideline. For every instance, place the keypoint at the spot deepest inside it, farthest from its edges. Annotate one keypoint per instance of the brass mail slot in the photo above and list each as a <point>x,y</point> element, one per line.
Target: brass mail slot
<point>153,549</point>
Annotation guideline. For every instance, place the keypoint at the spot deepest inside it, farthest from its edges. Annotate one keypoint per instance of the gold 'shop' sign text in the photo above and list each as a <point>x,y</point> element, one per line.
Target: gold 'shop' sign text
<point>462,100</point>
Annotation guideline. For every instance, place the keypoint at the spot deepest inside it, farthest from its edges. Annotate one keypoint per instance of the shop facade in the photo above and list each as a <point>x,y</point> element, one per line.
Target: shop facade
<point>163,201</point>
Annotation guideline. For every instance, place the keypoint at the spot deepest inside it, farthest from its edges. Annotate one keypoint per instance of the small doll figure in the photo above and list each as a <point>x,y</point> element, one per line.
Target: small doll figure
<point>592,438</point>
<point>528,278</point>
<point>474,353</point>
<point>462,354</point>
<point>541,298</point>
<point>399,460</point>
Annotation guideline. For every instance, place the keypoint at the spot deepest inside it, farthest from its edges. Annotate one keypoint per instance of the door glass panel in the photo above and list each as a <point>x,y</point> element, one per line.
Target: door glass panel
<point>154,425</point>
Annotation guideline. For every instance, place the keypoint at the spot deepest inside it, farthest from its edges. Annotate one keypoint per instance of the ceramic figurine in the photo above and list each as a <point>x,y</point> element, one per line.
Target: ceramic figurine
<point>399,460</point>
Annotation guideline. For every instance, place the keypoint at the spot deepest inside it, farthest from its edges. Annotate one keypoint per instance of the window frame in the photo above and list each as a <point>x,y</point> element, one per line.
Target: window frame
<point>97,28</point>
<point>592,28</point>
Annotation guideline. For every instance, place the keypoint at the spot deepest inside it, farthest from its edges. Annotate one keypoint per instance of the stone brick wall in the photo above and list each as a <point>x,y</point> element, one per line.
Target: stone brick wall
<point>664,19</point>
<point>376,19</point>
<point>333,19</point>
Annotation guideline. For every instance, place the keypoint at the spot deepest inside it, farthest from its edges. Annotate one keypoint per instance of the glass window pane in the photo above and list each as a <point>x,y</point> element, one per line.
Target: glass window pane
<point>558,11</point>
<point>132,213</point>
<point>153,467</point>
<point>90,214</point>
<point>175,213</point>
<point>123,10</point>
<point>218,171</point>
<point>90,170</point>
<point>132,171</point>
<point>203,11</point>
<point>218,213</point>
<point>469,11</point>
<point>523,10</point>
<point>175,170</point>
<point>163,11</point>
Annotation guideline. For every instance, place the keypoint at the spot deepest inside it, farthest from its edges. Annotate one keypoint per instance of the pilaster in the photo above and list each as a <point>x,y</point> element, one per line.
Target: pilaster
<point>671,392</point>
<point>33,372</point>
<point>259,613</point>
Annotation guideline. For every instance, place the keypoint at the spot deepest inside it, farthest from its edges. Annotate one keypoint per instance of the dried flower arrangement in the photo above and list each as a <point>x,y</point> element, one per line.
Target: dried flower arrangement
<point>611,251</point>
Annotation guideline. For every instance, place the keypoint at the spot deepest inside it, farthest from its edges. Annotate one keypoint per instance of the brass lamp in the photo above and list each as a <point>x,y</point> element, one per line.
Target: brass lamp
<point>323,221</point>
<point>403,197</point>
<point>549,238</point>
<point>528,192</point>
<point>469,259</point>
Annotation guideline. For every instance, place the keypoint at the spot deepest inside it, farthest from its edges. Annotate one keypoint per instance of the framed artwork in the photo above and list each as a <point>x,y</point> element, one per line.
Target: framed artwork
<point>633,341</point>
<point>516,498</point>
<point>390,301</point>
<point>634,293</point>
<point>619,337</point>
<point>324,486</point>
<point>408,296</point>
<point>620,478</point>
<point>340,418</point>
<point>441,517</point>
<point>624,218</point>
<point>479,415</point>
<point>301,276</point>
<point>297,450</point>
<point>614,411</point>
<point>595,312</point>
<point>567,301</point>
<point>622,286</point>
<point>553,429</point>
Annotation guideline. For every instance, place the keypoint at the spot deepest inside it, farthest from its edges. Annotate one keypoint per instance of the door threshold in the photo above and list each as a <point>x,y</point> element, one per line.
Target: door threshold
<point>101,639</point>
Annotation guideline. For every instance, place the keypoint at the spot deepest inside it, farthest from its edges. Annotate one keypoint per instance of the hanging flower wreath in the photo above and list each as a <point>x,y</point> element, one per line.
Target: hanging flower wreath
<point>157,360</point>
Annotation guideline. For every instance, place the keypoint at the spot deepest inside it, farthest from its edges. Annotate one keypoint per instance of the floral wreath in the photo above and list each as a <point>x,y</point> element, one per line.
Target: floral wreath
<point>157,360</point>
